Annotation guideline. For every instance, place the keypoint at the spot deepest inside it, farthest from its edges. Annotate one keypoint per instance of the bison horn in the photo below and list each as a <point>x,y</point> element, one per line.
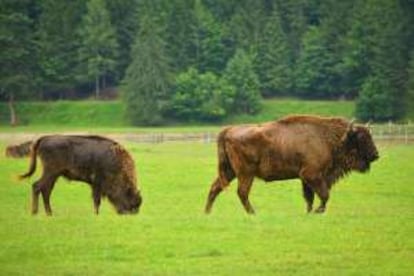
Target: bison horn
<point>351,125</point>
<point>349,130</point>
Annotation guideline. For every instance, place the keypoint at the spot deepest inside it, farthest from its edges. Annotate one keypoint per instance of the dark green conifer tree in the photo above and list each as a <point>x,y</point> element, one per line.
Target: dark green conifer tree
<point>99,46</point>
<point>16,53</point>
<point>273,59</point>
<point>147,82</point>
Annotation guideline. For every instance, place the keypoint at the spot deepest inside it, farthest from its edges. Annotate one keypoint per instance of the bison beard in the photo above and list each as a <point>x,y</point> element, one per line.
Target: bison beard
<point>317,150</point>
<point>102,163</point>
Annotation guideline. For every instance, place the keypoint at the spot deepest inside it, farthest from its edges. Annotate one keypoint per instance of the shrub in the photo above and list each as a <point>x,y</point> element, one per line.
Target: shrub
<point>201,97</point>
<point>376,100</point>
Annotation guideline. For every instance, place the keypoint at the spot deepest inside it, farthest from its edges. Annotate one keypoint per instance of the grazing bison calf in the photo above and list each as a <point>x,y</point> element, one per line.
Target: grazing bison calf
<point>102,163</point>
<point>316,150</point>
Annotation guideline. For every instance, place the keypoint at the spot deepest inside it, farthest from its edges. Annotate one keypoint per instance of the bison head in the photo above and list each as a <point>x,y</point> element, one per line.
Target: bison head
<point>125,196</point>
<point>132,202</point>
<point>361,147</point>
<point>126,201</point>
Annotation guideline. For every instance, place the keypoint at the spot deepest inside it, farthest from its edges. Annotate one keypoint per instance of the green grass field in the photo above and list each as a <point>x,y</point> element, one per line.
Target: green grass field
<point>367,230</point>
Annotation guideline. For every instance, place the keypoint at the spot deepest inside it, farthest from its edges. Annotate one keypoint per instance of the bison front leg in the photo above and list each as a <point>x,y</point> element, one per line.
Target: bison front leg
<point>318,185</point>
<point>215,190</point>
<point>322,191</point>
<point>245,184</point>
<point>309,195</point>
<point>47,186</point>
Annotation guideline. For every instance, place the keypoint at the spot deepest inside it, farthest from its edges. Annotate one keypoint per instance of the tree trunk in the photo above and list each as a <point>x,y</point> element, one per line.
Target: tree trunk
<point>96,87</point>
<point>104,82</point>
<point>13,115</point>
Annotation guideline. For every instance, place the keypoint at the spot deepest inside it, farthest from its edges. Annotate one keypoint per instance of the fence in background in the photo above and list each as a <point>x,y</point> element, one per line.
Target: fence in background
<point>393,132</point>
<point>401,133</point>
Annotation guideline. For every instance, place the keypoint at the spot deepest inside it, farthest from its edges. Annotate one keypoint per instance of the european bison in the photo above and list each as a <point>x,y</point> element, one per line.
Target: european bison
<point>317,150</point>
<point>102,163</point>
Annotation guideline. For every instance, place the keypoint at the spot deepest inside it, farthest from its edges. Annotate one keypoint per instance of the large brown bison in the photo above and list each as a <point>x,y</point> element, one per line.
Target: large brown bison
<point>316,150</point>
<point>102,163</point>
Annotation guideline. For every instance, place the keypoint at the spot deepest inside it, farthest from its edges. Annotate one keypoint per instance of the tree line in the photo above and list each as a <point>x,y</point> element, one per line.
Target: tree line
<point>203,60</point>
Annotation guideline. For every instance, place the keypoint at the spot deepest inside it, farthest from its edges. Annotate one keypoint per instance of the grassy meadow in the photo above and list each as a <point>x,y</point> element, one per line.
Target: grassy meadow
<point>368,228</point>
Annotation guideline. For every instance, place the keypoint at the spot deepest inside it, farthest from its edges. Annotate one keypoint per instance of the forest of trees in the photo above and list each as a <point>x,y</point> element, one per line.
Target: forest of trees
<point>205,59</point>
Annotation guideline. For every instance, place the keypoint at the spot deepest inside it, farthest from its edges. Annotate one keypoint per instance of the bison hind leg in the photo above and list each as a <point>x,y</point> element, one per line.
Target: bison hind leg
<point>35,197</point>
<point>215,190</point>
<point>245,184</point>
<point>45,186</point>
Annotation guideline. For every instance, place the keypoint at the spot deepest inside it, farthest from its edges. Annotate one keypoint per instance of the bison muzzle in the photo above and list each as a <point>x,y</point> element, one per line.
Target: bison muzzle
<point>317,150</point>
<point>102,163</point>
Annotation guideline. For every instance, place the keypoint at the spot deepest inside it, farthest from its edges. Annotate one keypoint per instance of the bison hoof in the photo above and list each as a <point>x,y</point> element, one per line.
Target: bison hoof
<point>207,211</point>
<point>251,212</point>
<point>320,210</point>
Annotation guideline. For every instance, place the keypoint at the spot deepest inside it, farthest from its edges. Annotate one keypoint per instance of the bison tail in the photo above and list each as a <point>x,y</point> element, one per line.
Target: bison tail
<point>33,155</point>
<point>226,172</point>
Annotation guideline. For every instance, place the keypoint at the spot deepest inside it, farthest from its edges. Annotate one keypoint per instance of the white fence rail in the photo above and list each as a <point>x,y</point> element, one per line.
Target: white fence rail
<point>401,133</point>
<point>393,132</point>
